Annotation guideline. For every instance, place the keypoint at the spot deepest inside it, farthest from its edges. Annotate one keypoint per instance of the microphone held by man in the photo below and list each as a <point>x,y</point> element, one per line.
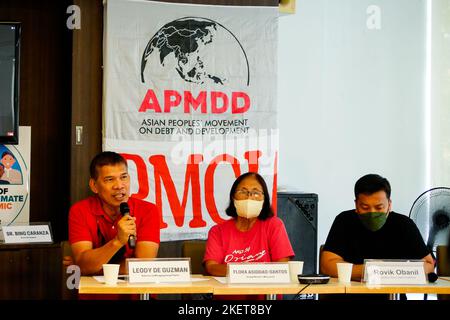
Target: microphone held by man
<point>125,210</point>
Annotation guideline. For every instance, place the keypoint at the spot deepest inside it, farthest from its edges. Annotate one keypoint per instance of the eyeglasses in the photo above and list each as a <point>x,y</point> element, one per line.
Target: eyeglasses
<point>245,194</point>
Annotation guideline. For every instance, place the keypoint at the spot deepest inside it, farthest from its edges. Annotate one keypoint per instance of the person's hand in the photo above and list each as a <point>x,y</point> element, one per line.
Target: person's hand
<point>67,261</point>
<point>126,227</point>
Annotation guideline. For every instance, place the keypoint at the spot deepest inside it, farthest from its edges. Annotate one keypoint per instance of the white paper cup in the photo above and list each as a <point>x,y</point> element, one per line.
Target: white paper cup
<point>295,268</point>
<point>111,273</point>
<point>344,271</point>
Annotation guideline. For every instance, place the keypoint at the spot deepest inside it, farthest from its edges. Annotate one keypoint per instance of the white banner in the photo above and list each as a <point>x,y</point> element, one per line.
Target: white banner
<point>190,102</point>
<point>15,181</point>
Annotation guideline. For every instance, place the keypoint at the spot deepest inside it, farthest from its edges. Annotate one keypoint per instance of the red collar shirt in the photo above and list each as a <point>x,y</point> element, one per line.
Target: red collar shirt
<point>89,222</point>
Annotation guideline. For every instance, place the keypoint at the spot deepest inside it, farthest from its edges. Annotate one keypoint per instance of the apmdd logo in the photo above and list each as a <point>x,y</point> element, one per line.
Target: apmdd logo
<point>196,50</point>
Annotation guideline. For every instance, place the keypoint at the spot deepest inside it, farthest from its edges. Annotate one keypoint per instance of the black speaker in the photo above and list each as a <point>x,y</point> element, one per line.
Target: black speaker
<point>299,214</point>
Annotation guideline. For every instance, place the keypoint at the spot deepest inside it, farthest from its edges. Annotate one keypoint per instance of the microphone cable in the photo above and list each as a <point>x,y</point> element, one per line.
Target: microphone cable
<point>297,296</point>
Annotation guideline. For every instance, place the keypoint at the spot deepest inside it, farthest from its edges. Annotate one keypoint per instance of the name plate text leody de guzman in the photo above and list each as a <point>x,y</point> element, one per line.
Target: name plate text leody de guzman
<point>270,272</point>
<point>159,270</point>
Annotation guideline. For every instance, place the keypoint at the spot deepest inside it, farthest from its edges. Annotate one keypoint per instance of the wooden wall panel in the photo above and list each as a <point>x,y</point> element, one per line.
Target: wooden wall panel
<point>45,77</point>
<point>30,271</point>
<point>87,78</point>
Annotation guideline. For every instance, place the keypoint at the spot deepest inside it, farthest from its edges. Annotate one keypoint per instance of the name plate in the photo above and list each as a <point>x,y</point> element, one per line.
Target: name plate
<point>377,272</point>
<point>270,272</point>
<point>159,270</point>
<point>36,233</point>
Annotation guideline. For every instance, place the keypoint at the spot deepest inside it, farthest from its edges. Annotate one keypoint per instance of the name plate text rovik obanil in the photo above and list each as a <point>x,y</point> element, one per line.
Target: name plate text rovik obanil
<point>379,272</point>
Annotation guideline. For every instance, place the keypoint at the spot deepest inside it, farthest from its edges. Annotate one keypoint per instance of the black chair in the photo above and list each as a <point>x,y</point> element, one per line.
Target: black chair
<point>195,249</point>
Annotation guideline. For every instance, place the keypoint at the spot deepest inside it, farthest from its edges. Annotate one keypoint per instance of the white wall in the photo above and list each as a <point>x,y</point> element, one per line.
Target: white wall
<point>351,101</point>
<point>440,93</point>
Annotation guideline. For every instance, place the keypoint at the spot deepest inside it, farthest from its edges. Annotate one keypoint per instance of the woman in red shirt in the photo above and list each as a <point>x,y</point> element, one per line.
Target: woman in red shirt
<point>253,234</point>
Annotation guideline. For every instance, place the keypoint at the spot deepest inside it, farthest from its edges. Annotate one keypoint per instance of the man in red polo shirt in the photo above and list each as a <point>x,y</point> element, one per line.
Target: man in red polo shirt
<point>98,232</point>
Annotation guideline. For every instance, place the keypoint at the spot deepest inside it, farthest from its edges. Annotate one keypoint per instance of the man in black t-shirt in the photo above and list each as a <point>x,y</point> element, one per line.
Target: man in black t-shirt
<point>372,231</point>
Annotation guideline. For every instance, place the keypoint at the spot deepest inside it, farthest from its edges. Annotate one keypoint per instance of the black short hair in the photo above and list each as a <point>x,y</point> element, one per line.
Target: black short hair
<point>371,183</point>
<point>105,158</point>
<point>266,211</point>
<point>7,153</point>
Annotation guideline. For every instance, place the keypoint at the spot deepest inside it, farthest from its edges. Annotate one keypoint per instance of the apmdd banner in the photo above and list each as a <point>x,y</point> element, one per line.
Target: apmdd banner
<point>190,102</point>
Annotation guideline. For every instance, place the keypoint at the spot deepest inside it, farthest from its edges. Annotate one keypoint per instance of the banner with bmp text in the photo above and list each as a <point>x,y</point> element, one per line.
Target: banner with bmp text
<point>15,181</point>
<point>190,102</point>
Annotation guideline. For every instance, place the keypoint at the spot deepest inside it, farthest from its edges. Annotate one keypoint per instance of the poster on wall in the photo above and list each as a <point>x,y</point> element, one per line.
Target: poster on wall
<point>15,181</point>
<point>190,102</point>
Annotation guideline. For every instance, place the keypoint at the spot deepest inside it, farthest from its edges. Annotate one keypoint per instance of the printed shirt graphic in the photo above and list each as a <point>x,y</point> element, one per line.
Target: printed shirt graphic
<point>191,103</point>
<point>266,241</point>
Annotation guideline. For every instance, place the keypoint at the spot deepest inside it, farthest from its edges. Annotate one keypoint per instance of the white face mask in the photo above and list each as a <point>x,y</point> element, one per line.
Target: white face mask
<point>248,208</point>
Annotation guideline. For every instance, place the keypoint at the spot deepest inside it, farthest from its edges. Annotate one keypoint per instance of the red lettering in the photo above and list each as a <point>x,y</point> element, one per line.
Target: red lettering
<point>194,102</point>
<point>169,102</point>
<point>215,95</point>
<point>252,159</point>
<point>234,102</point>
<point>240,101</point>
<point>150,102</point>
<point>161,172</point>
<point>274,187</point>
<point>192,181</point>
<point>209,183</point>
<point>142,175</point>
<point>5,205</point>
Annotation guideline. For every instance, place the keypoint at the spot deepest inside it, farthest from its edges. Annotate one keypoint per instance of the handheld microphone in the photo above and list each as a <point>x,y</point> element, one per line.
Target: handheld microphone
<point>432,277</point>
<point>125,210</point>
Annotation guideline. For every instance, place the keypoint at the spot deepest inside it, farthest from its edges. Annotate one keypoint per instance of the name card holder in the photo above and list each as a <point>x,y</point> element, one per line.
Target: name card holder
<point>35,232</point>
<point>247,272</point>
<point>394,272</point>
<point>159,270</point>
